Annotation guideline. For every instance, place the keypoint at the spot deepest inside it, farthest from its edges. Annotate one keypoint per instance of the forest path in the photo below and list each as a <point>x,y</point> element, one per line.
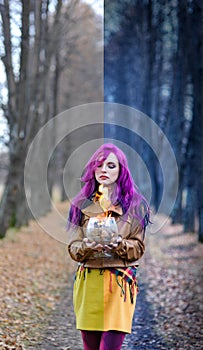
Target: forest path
<point>61,333</point>
<point>36,290</point>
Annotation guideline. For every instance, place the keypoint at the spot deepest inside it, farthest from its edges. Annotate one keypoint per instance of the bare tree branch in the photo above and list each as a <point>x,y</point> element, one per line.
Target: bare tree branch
<point>7,59</point>
<point>22,91</point>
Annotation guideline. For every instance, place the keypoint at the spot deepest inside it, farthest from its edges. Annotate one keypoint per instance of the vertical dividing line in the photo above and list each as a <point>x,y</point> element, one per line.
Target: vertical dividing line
<point>102,41</point>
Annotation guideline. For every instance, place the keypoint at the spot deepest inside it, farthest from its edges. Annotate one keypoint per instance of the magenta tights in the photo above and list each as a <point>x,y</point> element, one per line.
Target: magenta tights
<point>95,340</point>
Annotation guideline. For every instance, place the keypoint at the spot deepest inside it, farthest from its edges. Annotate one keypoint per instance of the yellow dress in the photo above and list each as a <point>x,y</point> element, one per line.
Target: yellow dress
<point>103,300</point>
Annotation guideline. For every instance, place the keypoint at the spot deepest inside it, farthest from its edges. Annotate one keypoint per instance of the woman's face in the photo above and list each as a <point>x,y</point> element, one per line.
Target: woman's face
<point>107,172</point>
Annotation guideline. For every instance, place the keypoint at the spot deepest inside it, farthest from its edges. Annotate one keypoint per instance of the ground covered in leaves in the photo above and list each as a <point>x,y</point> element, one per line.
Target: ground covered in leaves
<point>36,277</point>
<point>34,270</point>
<point>173,271</point>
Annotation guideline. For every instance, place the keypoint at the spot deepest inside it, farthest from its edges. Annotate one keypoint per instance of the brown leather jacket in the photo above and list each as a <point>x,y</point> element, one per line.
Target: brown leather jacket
<point>128,251</point>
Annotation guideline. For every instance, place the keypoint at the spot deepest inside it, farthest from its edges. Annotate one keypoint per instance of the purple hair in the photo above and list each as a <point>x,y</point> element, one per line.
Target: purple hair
<point>125,193</point>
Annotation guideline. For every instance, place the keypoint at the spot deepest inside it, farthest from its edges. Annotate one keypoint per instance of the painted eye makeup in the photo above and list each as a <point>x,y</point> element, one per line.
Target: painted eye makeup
<point>111,165</point>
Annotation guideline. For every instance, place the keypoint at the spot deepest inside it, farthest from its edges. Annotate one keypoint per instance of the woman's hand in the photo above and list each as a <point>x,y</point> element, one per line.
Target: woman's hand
<point>98,247</point>
<point>114,244</point>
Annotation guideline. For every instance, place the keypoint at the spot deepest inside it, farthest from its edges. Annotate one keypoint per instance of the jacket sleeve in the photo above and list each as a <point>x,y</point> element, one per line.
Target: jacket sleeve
<point>132,247</point>
<point>76,248</point>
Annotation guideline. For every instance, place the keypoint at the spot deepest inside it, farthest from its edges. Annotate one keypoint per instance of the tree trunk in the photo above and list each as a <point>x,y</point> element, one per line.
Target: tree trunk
<point>175,134</point>
<point>196,51</point>
<point>13,211</point>
<point>177,213</point>
<point>200,230</point>
<point>200,179</point>
<point>189,211</point>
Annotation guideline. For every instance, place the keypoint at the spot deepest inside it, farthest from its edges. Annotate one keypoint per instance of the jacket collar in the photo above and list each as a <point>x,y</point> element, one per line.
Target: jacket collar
<point>95,209</point>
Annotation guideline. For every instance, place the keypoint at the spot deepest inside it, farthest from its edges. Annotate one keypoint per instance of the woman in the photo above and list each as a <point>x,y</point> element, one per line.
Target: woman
<point>105,287</point>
